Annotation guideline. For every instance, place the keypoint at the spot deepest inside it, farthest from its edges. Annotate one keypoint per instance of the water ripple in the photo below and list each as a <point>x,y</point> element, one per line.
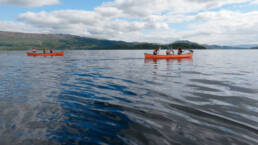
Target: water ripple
<point>87,97</point>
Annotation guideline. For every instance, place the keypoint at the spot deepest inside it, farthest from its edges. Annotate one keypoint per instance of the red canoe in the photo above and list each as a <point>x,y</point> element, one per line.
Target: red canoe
<point>151,56</point>
<point>46,54</point>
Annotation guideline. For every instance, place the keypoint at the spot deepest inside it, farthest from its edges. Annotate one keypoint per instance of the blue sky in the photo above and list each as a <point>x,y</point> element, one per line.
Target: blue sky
<point>224,22</point>
<point>10,12</point>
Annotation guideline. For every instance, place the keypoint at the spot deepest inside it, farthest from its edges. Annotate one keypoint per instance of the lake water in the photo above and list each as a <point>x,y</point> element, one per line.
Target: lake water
<point>118,97</point>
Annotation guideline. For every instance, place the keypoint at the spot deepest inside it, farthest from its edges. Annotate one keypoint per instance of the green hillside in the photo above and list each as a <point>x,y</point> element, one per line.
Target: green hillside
<point>186,45</point>
<point>175,45</point>
<point>25,41</point>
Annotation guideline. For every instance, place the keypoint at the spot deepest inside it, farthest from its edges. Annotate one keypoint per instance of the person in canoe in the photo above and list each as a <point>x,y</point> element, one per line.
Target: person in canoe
<point>44,51</point>
<point>34,50</point>
<point>156,51</point>
<point>169,51</point>
<point>179,51</point>
<point>51,51</point>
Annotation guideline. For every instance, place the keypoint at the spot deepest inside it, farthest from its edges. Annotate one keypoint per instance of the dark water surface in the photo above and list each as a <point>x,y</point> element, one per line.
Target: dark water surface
<point>118,97</point>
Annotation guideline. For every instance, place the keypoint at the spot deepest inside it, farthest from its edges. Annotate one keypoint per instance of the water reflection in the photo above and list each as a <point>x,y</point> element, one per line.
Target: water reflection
<point>88,121</point>
<point>149,60</point>
<point>89,114</point>
<point>167,64</point>
<point>88,97</point>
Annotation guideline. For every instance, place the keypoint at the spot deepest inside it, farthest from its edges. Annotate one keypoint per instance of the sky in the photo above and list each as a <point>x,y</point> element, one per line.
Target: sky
<point>222,22</point>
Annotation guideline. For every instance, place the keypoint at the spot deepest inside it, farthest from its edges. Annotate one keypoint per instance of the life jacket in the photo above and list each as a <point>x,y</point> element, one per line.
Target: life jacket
<point>179,51</point>
<point>167,52</point>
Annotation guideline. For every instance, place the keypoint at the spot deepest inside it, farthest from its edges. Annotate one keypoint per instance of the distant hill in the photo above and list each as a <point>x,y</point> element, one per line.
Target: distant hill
<point>186,45</point>
<point>25,41</point>
<point>205,46</point>
<point>222,47</point>
<point>254,47</point>
<point>174,45</point>
<point>247,45</point>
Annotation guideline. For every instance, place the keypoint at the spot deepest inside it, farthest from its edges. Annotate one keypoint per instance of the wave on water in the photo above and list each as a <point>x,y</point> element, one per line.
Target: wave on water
<point>83,98</point>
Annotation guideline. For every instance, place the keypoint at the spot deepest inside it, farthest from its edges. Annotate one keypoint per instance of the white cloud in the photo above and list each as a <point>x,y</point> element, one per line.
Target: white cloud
<point>164,36</point>
<point>109,11</point>
<point>149,21</point>
<point>143,8</point>
<point>87,23</point>
<point>224,27</point>
<point>15,27</point>
<point>29,3</point>
<point>254,2</point>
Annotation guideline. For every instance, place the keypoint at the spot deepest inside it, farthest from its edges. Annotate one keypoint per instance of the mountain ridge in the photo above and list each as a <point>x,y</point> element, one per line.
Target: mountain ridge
<point>24,41</point>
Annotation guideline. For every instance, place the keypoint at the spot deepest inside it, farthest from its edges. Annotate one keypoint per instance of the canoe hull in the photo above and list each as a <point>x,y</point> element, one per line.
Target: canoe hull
<point>151,56</point>
<point>46,54</point>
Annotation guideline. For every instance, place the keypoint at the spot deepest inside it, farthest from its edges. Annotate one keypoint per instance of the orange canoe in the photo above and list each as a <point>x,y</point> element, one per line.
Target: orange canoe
<point>189,55</point>
<point>46,54</point>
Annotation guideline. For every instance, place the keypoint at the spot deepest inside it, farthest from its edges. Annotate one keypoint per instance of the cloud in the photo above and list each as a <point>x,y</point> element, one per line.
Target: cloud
<point>254,2</point>
<point>109,11</point>
<point>17,27</point>
<point>29,3</point>
<point>145,21</point>
<point>88,23</point>
<point>224,27</point>
<point>218,27</point>
<point>143,8</point>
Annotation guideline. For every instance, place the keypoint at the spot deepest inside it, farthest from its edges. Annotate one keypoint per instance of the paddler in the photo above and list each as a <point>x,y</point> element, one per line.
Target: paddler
<point>34,50</point>
<point>169,51</point>
<point>44,51</point>
<point>179,51</point>
<point>156,51</point>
